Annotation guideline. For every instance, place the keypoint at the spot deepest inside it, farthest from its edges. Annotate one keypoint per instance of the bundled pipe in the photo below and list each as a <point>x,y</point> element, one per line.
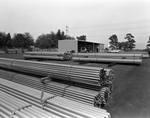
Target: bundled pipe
<point>49,55</point>
<point>6,74</point>
<point>87,75</point>
<point>57,107</point>
<point>108,55</point>
<point>14,107</point>
<point>46,53</point>
<point>108,60</point>
<point>44,57</point>
<point>74,73</point>
<point>67,91</point>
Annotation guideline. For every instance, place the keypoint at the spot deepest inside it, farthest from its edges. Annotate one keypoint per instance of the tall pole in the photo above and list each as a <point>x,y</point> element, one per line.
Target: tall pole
<point>67,29</point>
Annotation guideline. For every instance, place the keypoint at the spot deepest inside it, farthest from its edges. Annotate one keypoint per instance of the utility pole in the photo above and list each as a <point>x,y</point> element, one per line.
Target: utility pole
<point>67,30</point>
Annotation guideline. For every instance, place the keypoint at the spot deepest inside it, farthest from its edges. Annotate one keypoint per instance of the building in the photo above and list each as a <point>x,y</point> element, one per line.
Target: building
<point>79,46</point>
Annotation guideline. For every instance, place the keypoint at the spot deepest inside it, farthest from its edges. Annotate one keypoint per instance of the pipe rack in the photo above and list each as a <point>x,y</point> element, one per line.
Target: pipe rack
<point>108,55</point>
<point>74,73</point>
<point>56,107</point>
<point>44,57</point>
<point>49,55</point>
<point>108,60</point>
<point>81,95</point>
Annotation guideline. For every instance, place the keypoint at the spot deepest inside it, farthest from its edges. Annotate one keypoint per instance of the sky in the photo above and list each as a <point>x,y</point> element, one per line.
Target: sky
<point>97,19</point>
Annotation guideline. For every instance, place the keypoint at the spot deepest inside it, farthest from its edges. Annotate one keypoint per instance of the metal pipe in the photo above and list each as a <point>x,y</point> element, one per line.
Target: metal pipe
<point>2,115</point>
<point>46,53</point>
<point>43,57</point>
<point>72,92</point>
<point>108,60</point>
<point>18,113</point>
<point>79,112</point>
<point>51,55</point>
<point>110,55</point>
<point>74,105</point>
<point>34,111</point>
<point>45,112</point>
<point>7,113</point>
<point>18,107</point>
<point>61,103</point>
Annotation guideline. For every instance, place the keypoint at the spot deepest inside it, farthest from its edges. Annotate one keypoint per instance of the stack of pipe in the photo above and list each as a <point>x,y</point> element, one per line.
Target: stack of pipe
<point>12,107</point>
<point>33,82</point>
<point>55,106</point>
<point>43,57</point>
<point>6,63</point>
<point>108,58</point>
<point>6,74</point>
<point>74,73</point>
<point>88,75</point>
<point>48,55</point>
<point>109,55</point>
<point>82,95</point>
<point>67,91</point>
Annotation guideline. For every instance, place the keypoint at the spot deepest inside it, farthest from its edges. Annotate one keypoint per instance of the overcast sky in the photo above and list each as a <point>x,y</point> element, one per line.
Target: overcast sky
<point>97,19</point>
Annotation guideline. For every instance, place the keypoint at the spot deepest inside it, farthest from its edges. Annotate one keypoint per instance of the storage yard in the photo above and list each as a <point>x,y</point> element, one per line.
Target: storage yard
<point>130,96</point>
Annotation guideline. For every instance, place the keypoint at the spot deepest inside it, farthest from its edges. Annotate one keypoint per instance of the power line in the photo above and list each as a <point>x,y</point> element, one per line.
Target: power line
<point>111,29</point>
<point>117,35</point>
<point>110,24</point>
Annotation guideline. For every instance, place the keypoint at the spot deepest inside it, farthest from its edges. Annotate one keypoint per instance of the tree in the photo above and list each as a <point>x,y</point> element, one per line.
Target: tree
<point>123,45</point>
<point>5,41</point>
<point>54,39</point>
<point>9,41</point>
<point>2,39</point>
<point>69,37</point>
<point>148,44</point>
<point>82,38</point>
<point>113,40</point>
<point>148,40</point>
<point>60,35</point>
<point>46,41</point>
<point>22,40</point>
<point>130,41</point>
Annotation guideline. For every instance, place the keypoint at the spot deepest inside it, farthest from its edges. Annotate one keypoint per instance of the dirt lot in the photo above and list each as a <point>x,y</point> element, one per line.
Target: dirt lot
<point>131,94</point>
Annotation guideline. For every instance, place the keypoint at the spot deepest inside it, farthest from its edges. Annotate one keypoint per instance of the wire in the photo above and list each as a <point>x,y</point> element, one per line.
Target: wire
<point>107,25</point>
<point>112,29</point>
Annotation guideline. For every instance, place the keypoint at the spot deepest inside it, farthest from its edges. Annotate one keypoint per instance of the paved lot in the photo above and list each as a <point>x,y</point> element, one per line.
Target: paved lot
<point>131,94</point>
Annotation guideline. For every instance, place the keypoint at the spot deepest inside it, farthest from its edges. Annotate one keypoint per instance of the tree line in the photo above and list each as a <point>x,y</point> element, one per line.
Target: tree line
<point>126,45</point>
<point>25,40</point>
<point>50,40</point>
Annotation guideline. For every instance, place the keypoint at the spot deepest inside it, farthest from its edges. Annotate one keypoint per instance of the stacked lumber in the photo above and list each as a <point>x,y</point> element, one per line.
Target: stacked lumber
<point>48,55</point>
<point>52,106</point>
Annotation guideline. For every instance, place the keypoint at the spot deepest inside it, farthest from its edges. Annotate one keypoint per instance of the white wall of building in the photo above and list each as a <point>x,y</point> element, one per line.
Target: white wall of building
<point>67,45</point>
